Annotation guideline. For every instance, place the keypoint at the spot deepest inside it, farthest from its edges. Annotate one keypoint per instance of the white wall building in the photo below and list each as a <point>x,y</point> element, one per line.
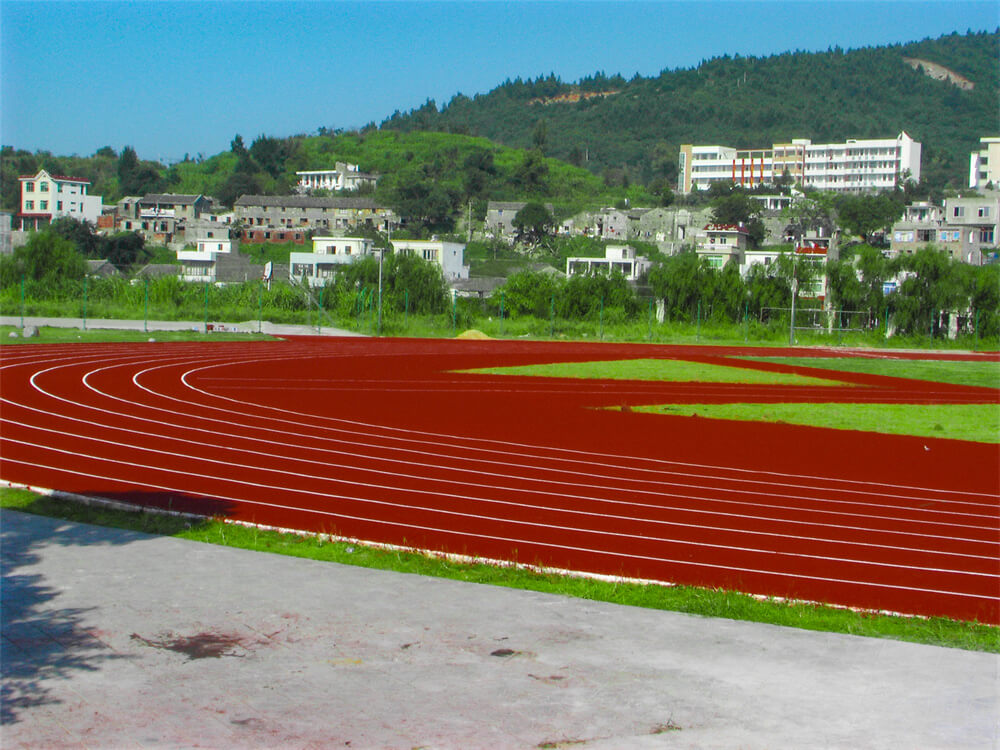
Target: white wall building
<point>200,264</point>
<point>46,197</point>
<point>984,165</point>
<point>621,258</point>
<point>450,256</point>
<point>329,254</point>
<point>854,166</point>
<point>342,177</point>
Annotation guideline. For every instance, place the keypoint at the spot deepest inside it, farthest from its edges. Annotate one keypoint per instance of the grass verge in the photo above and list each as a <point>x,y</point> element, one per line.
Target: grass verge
<point>53,335</point>
<point>976,422</point>
<point>935,631</point>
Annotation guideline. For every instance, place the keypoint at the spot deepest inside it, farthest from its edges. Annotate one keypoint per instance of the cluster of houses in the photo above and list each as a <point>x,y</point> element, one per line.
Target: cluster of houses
<point>333,228</point>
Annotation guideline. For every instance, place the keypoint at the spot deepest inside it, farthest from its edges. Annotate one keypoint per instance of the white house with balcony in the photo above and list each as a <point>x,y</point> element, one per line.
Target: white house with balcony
<point>200,263</point>
<point>620,258</point>
<point>342,177</point>
<point>329,254</point>
<point>718,243</point>
<point>449,256</point>
<point>46,197</point>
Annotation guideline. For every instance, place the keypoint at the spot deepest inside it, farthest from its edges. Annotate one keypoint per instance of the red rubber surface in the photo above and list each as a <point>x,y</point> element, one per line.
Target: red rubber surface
<point>381,440</point>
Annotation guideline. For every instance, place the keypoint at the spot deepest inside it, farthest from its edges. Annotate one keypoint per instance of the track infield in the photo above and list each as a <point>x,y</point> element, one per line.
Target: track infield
<point>384,440</point>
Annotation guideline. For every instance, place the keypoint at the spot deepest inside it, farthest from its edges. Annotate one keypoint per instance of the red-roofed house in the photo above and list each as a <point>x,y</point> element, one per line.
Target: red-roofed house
<point>45,197</point>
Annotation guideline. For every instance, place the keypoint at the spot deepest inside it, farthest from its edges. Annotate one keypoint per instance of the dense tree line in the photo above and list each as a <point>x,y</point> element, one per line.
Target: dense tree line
<point>933,287</point>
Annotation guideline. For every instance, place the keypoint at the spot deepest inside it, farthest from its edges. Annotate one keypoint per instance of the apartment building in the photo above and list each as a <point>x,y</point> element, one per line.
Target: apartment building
<point>46,197</point>
<point>967,228</point>
<point>984,165</point>
<point>297,214</point>
<point>854,166</point>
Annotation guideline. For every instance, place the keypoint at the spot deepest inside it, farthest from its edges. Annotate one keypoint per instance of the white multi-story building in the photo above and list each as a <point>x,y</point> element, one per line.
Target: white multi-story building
<point>450,256</point>
<point>328,254</point>
<point>46,197</point>
<point>854,166</point>
<point>342,177</point>
<point>984,165</point>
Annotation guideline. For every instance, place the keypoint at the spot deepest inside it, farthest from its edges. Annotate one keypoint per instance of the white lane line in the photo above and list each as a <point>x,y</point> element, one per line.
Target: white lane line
<point>490,519</point>
<point>327,464</point>
<point>493,501</point>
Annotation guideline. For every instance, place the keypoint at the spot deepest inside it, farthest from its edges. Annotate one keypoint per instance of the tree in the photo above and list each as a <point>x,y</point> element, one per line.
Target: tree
<point>80,233</point>
<point>738,209</point>
<point>533,223</point>
<point>811,213</point>
<point>867,215</point>
<point>135,177</point>
<point>532,173</point>
<point>46,258</point>
<point>427,204</point>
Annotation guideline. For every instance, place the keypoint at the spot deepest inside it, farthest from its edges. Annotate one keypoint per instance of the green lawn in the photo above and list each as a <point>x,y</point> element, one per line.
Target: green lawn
<point>976,422</point>
<point>985,374</point>
<point>673,370</point>
<point>733,605</point>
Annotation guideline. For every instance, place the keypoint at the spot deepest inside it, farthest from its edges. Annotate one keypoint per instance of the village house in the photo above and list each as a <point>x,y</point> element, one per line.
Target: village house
<point>967,228</point>
<point>328,254</point>
<point>277,218</point>
<point>449,256</point>
<point>46,197</point>
<point>620,258</point>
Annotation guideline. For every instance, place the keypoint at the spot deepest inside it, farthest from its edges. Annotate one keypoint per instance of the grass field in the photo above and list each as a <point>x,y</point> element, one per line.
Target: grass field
<point>984,374</point>
<point>673,370</point>
<point>692,600</point>
<point>977,422</point>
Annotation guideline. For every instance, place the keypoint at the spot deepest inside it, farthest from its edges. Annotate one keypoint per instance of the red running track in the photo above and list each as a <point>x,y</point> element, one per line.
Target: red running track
<point>382,440</point>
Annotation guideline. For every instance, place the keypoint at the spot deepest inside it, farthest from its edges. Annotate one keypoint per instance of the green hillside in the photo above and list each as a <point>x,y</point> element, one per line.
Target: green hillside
<point>634,132</point>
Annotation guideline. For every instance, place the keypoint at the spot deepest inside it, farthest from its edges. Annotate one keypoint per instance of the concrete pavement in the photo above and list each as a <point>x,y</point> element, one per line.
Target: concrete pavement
<point>118,639</point>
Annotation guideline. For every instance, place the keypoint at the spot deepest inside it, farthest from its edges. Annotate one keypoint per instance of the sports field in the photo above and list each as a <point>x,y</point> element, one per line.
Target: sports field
<point>396,441</point>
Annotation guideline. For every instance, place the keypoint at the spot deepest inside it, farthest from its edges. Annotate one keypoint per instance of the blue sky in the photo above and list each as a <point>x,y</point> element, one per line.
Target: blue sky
<point>176,78</point>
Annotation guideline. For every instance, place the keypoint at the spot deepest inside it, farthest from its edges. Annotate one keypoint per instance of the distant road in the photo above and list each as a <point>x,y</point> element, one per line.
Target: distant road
<point>252,326</point>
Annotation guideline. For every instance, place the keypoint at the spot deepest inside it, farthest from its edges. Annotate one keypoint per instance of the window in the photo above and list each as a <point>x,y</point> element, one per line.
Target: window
<point>29,205</point>
<point>986,236</point>
<point>58,187</point>
<point>59,206</point>
<point>959,211</point>
<point>984,212</point>
<point>44,187</point>
<point>29,187</point>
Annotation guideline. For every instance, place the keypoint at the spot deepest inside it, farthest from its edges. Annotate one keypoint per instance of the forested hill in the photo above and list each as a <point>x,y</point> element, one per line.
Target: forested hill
<point>632,129</point>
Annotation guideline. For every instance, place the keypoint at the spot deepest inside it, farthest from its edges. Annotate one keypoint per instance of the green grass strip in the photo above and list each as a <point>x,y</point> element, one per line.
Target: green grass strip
<point>673,370</point>
<point>935,631</point>
<point>976,422</point>
<point>984,374</point>
<point>54,335</point>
